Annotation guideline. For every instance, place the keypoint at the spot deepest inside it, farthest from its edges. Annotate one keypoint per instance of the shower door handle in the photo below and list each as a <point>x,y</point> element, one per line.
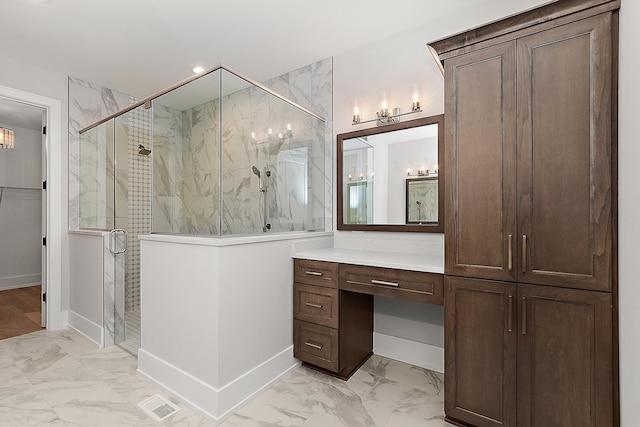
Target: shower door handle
<point>113,241</point>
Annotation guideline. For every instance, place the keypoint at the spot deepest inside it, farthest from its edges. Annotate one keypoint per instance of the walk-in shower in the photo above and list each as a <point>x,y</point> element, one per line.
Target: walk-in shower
<point>218,156</point>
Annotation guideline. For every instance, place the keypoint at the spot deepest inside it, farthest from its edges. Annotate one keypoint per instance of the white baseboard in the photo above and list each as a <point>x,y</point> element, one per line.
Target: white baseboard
<point>246,387</point>
<point>86,327</point>
<point>214,403</point>
<point>416,353</point>
<point>16,282</point>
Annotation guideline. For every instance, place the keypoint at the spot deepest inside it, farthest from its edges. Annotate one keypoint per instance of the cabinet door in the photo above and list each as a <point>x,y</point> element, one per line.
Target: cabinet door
<point>564,358</point>
<point>564,155</point>
<point>480,352</point>
<point>480,139</point>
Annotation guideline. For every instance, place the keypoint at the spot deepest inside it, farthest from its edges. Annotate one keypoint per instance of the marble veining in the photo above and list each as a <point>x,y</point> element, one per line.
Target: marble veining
<point>61,378</point>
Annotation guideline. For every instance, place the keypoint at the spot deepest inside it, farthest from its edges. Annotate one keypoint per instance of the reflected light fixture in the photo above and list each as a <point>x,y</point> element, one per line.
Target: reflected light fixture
<point>271,136</point>
<point>6,138</point>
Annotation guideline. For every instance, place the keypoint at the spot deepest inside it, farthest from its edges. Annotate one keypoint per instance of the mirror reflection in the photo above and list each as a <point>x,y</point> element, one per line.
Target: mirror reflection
<point>389,177</point>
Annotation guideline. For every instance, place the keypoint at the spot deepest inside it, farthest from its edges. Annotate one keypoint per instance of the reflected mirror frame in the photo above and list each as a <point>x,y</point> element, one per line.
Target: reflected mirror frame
<point>423,228</point>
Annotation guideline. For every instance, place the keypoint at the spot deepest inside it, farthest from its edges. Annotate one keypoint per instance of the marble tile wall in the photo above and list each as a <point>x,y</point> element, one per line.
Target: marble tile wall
<point>167,170</point>
<point>88,104</point>
<point>312,88</point>
<point>187,161</point>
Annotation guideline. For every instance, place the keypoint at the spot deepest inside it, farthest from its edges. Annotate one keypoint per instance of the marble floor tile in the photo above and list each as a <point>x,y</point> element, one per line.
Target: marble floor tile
<point>60,378</point>
<point>25,407</point>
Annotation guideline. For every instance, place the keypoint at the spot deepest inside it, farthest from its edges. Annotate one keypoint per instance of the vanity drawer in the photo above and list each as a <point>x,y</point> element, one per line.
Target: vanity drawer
<point>315,344</point>
<point>316,304</point>
<point>320,273</point>
<point>393,283</point>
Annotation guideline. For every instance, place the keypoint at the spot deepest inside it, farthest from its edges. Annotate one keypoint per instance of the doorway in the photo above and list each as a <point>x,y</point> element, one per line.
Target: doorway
<point>48,232</point>
<point>23,204</point>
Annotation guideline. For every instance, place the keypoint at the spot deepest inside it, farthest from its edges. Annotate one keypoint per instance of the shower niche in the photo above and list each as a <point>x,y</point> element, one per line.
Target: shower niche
<point>217,155</point>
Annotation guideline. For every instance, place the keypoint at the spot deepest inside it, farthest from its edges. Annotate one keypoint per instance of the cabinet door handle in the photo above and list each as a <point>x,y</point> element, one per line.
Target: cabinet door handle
<point>313,345</point>
<point>524,316</point>
<point>382,282</point>
<point>313,273</point>
<point>510,260</point>
<point>313,305</point>
<point>510,314</point>
<point>524,253</point>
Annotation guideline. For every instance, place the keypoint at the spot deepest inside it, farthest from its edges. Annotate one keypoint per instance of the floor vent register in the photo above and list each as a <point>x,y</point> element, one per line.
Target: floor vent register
<point>158,407</point>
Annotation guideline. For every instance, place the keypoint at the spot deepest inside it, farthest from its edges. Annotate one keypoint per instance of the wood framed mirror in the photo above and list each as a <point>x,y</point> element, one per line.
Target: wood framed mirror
<point>391,178</point>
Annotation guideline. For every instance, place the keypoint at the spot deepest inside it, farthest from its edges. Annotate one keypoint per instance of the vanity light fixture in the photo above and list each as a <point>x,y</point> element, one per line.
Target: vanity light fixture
<point>270,137</point>
<point>388,116</point>
<point>6,138</point>
<point>423,171</point>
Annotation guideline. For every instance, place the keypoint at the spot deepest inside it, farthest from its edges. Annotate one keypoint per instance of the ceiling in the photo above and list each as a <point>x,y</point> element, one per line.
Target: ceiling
<point>140,47</point>
<point>18,114</point>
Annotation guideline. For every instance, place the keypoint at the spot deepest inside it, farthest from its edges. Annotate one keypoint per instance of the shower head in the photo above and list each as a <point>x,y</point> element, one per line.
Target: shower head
<point>255,171</point>
<point>143,150</point>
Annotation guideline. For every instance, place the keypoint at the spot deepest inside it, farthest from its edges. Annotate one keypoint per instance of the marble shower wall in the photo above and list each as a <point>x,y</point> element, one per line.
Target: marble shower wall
<point>186,159</point>
<point>294,155</point>
<point>88,104</point>
<point>312,88</point>
<point>186,169</point>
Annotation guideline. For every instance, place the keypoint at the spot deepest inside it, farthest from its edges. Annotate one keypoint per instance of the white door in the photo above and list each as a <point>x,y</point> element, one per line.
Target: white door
<point>44,220</point>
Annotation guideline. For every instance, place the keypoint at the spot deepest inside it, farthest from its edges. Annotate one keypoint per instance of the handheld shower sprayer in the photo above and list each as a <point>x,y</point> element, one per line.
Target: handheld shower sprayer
<point>263,182</point>
<point>256,171</point>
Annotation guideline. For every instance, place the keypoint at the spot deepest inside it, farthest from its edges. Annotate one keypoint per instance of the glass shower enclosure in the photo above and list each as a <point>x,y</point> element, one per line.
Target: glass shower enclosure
<point>217,156</point>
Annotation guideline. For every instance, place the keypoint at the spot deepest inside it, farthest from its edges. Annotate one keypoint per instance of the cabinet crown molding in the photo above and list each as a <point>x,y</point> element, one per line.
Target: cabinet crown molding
<point>578,9</point>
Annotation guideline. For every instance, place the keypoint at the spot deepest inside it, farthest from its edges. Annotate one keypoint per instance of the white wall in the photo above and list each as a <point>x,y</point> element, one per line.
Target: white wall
<point>24,77</point>
<point>85,313</point>
<point>21,211</point>
<point>629,212</point>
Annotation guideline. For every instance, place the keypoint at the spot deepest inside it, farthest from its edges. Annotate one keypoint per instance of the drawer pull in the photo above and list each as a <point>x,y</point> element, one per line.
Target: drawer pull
<point>313,345</point>
<point>313,305</point>
<point>382,282</point>
<point>313,273</point>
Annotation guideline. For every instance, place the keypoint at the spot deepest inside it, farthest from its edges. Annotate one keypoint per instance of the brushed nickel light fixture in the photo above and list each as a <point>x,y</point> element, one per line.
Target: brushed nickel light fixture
<point>388,116</point>
<point>6,138</point>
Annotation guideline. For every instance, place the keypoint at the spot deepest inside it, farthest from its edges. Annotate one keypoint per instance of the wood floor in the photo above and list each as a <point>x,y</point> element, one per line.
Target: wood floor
<point>19,311</point>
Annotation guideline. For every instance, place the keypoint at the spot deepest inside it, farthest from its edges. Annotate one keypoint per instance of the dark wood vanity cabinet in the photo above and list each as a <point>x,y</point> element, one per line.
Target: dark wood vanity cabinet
<point>529,155</point>
<point>332,331</point>
<point>333,309</point>
<point>530,195</point>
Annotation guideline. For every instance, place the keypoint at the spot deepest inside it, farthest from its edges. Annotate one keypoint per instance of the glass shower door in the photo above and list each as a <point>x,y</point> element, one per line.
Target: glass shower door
<point>132,217</point>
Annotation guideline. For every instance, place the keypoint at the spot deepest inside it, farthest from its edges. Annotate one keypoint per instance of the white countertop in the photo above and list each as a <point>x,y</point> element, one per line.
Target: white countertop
<point>429,263</point>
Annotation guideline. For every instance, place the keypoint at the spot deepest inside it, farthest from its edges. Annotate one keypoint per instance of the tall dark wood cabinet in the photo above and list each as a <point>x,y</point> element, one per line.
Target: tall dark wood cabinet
<point>530,286</point>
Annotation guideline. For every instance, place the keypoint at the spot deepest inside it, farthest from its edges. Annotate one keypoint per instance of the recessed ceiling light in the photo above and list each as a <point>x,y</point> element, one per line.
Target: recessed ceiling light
<point>198,70</point>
